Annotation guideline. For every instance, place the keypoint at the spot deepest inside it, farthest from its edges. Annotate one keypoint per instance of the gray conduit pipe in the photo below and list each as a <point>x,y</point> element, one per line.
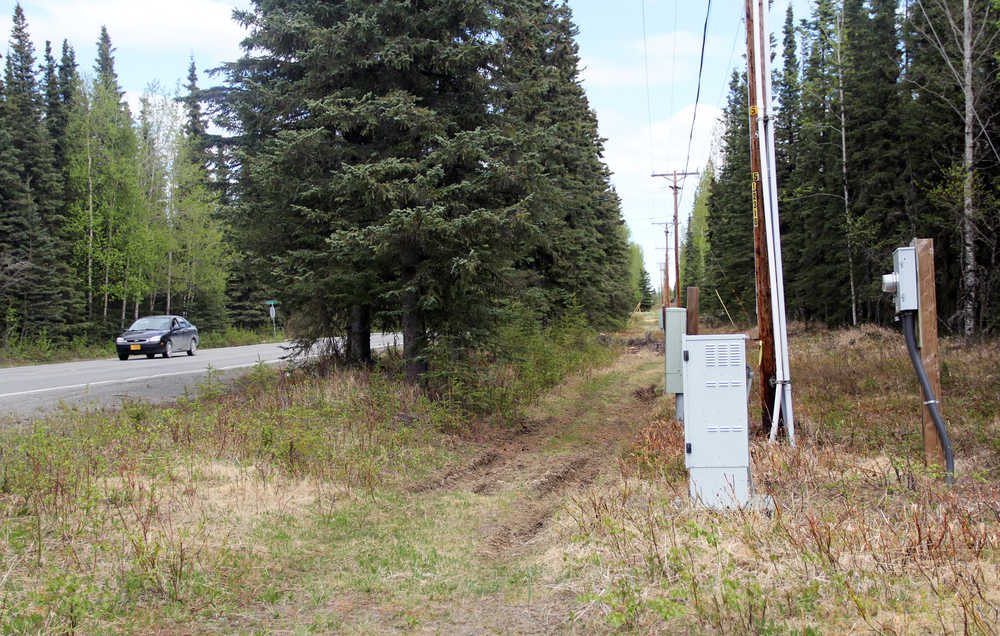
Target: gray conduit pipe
<point>909,333</point>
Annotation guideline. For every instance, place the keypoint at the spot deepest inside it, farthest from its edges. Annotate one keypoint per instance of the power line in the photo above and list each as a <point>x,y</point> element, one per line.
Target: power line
<point>697,98</point>
<point>673,60</point>
<point>729,64</point>
<point>645,65</point>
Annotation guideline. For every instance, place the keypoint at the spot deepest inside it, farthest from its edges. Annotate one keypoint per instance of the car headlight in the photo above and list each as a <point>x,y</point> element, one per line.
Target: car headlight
<point>119,340</point>
<point>153,339</point>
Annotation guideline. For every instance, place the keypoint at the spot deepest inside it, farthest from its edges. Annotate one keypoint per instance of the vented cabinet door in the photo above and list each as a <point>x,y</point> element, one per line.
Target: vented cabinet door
<point>715,401</point>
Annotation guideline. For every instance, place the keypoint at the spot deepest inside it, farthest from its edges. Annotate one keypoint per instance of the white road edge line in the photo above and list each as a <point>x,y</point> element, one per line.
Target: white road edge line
<point>150,377</point>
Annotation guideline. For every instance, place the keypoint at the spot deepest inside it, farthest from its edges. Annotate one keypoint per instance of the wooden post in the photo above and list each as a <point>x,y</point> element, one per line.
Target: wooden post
<point>927,335</point>
<point>692,311</point>
<point>765,326</point>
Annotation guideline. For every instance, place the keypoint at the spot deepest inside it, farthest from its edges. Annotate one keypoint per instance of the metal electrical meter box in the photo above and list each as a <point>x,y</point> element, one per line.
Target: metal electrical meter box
<point>675,326</point>
<point>903,280</point>
<point>716,432</point>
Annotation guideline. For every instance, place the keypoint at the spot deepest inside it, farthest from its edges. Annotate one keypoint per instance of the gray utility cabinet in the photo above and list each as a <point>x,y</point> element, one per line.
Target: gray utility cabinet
<point>716,437</point>
<point>674,326</point>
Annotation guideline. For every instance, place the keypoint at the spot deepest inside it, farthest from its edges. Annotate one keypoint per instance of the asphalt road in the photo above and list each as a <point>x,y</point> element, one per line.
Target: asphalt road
<point>30,391</point>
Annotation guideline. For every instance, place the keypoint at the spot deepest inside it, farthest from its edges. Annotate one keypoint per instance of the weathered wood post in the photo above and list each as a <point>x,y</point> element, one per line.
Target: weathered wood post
<point>692,311</point>
<point>927,339</point>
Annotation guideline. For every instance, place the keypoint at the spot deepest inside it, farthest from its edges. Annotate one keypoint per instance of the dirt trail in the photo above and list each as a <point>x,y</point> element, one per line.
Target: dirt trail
<point>572,439</point>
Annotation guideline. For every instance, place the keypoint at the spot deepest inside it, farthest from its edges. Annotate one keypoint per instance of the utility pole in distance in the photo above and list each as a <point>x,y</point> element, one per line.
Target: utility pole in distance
<point>677,243</point>
<point>666,261</point>
<point>765,328</point>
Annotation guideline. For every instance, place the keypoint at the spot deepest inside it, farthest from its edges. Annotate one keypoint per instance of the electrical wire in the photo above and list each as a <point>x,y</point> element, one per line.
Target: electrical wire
<point>729,64</point>
<point>673,59</point>
<point>909,333</point>
<point>697,98</point>
<point>649,99</point>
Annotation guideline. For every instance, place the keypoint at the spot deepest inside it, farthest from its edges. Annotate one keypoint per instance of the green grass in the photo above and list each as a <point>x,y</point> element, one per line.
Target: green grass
<point>285,491</point>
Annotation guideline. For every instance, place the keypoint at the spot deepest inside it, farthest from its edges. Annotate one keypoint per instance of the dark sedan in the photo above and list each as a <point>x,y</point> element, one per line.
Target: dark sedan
<point>157,334</point>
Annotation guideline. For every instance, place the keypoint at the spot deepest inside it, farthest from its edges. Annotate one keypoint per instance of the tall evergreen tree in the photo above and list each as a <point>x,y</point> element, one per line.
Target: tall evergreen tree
<point>874,150</point>
<point>39,292</point>
<point>695,248</point>
<point>13,229</point>
<point>815,243</point>
<point>578,254</point>
<point>366,200</point>
<point>195,126</point>
<point>788,91</point>
<point>104,64</point>
<point>730,267</point>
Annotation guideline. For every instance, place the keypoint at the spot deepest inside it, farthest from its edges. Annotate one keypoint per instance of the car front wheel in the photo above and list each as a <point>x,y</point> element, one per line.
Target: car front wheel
<point>168,349</point>
<point>123,356</point>
<point>193,347</point>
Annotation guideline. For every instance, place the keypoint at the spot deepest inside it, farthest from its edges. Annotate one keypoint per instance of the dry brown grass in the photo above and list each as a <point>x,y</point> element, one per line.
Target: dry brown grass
<point>346,505</point>
<point>863,538</point>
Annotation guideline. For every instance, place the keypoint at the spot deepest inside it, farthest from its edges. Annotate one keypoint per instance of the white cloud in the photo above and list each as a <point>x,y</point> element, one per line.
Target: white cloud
<point>666,64</point>
<point>633,153</point>
<point>204,27</point>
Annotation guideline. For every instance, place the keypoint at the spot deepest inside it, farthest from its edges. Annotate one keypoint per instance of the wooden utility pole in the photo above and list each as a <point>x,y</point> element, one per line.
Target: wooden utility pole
<point>928,340</point>
<point>677,242</point>
<point>666,262</point>
<point>765,326</point>
<point>692,311</point>
<point>664,267</point>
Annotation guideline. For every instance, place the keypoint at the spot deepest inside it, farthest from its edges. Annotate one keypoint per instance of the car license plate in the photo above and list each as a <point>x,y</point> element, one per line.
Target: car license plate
<point>135,347</point>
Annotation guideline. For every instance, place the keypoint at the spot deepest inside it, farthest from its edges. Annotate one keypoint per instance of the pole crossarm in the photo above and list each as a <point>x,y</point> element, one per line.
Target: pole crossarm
<point>677,247</point>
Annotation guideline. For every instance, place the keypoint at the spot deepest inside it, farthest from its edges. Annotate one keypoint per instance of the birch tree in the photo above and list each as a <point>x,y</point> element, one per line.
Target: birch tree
<point>963,34</point>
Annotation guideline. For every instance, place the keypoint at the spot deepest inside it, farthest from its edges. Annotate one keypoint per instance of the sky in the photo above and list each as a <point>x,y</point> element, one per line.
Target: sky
<point>639,66</point>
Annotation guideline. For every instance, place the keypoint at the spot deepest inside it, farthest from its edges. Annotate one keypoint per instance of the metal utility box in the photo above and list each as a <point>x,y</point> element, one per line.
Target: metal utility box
<point>716,437</point>
<point>673,342</point>
<point>903,280</point>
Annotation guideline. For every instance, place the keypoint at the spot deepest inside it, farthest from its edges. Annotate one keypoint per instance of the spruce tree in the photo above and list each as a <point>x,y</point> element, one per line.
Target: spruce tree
<point>578,255</point>
<point>876,162</point>
<point>695,249</point>
<point>39,290</point>
<point>195,126</point>
<point>366,169</point>
<point>104,65</point>
<point>788,97</point>
<point>730,267</point>
<point>815,241</point>
<point>13,229</point>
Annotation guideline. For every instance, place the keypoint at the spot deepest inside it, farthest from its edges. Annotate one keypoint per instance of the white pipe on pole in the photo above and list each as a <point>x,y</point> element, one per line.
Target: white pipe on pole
<point>783,394</point>
<point>779,290</point>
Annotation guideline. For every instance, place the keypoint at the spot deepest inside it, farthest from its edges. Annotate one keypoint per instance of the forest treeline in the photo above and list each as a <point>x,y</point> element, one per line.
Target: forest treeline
<point>103,215</point>
<point>886,130</point>
<point>373,165</point>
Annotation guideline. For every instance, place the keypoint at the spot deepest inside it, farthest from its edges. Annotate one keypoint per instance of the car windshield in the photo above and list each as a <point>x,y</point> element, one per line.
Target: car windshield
<point>150,323</point>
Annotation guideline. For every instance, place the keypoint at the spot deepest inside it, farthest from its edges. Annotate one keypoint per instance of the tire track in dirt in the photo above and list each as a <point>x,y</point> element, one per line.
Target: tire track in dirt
<point>525,437</point>
<point>518,529</point>
<point>517,460</point>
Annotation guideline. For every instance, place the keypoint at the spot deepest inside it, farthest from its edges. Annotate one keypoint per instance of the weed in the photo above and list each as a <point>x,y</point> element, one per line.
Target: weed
<point>863,535</point>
